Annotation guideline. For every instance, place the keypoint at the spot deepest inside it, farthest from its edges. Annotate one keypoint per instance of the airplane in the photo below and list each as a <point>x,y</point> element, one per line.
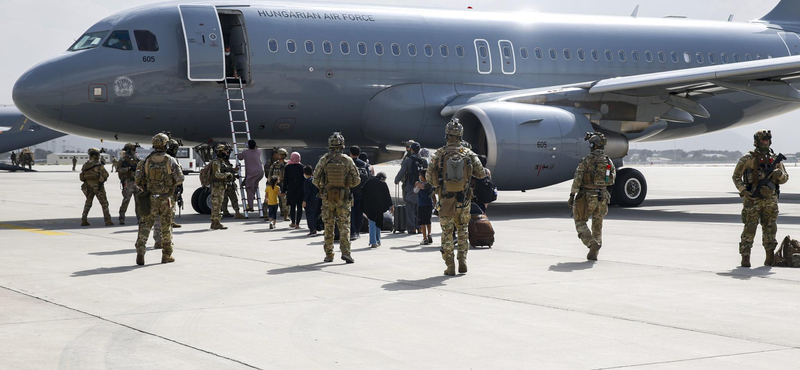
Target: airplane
<point>17,131</point>
<point>526,86</point>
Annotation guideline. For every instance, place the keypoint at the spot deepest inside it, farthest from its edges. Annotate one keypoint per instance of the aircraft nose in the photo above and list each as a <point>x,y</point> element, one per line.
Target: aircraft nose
<point>38,94</point>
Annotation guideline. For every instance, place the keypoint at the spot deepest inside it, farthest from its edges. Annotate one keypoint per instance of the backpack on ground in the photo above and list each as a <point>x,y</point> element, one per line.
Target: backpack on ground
<point>456,171</point>
<point>788,254</point>
<point>481,232</point>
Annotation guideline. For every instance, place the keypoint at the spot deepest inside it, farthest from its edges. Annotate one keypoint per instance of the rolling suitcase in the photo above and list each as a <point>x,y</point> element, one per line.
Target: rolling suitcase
<point>399,212</point>
<point>481,233</point>
<point>388,224</point>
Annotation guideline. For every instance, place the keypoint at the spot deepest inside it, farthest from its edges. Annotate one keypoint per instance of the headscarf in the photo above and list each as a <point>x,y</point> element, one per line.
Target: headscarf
<point>295,159</point>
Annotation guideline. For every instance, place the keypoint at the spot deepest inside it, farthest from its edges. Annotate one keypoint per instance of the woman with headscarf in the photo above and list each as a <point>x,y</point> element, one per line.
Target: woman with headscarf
<point>293,181</point>
<point>377,200</point>
<point>253,171</point>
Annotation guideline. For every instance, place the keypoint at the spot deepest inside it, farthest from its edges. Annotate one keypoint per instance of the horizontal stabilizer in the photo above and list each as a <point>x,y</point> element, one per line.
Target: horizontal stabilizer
<point>787,11</point>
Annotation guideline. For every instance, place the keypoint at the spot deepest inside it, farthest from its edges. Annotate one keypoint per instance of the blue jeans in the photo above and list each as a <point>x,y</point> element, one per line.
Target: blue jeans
<point>273,212</point>
<point>374,233</point>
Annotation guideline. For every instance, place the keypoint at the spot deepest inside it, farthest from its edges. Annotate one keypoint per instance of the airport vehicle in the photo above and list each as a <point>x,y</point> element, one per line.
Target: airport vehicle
<point>526,86</point>
<point>186,158</point>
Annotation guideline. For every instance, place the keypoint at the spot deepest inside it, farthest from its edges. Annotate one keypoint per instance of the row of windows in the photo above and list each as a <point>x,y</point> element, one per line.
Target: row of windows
<point>145,41</point>
<point>362,48</point>
<point>538,53</point>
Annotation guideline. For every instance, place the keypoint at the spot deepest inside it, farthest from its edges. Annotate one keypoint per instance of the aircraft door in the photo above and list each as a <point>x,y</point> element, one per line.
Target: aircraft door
<point>507,57</point>
<point>792,41</point>
<point>484,55</point>
<point>205,56</point>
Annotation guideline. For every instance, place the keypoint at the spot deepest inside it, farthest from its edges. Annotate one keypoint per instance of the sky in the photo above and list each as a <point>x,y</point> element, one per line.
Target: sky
<point>45,28</point>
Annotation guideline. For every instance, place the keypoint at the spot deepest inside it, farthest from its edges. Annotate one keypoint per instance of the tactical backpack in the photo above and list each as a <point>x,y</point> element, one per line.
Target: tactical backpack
<point>90,175</point>
<point>336,172</point>
<point>205,175</point>
<point>159,175</point>
<point>599,173</point>
<point>417,164</point>
<point>278,169</point>
<point>456,171</point>
<point>788,254</point>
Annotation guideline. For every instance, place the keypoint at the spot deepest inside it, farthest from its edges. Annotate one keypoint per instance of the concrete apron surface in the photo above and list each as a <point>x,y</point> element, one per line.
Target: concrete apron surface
<point>666,293</point>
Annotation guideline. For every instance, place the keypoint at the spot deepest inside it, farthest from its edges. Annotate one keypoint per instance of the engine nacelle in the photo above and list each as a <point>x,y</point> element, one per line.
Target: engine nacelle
<point>530,146</point>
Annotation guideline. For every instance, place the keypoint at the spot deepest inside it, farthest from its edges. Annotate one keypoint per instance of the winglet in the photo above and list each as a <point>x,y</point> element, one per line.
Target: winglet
<point>730,18</point>
<point>635,12</point>
<point>787,11</point>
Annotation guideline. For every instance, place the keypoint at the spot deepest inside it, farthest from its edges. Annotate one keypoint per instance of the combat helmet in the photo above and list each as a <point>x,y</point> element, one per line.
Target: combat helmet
<point>336,141</point>
<point>93,152</point>
<point>454,129</point>
<point>596,140</point>
<point>131,147</point>
<point>160,141</point>
<point>762,135</point>
<point>221,149</point>
<point>283,152</point>
<point>172,147</point>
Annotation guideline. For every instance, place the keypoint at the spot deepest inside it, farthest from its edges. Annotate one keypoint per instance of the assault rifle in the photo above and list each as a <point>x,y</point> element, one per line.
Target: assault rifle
<point>768,169</point>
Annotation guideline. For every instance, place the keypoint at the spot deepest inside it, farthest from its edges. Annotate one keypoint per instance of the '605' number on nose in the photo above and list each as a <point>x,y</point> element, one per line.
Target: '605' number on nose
<point>541,144</point>
<point>148,59</point>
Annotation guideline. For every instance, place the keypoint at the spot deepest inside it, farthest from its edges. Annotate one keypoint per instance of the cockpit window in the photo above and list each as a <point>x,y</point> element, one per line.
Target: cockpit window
<point>119,40</point>
<point>146,41</point>
<point>90,40</point>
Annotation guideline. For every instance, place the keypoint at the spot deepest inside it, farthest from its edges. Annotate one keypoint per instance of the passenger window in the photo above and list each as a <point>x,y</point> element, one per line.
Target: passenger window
<point>428,50</point>
<point>310,47</point>
<point>699,57</point>
<point>609,55</point>
<point>146,41</point>
<point>736,58</point>
<point>538,53</point>
<point>686,57</point>
<point>273,45</point>
<point>553,54</point>
<point>523,53</point>
<point>119,40</point>
<point>460,51</point>
<point>327,48</point>
<point>724,58</point>
<point>635,56</point>
<point>344,47</point>
<point>378,48</point>
<point>595,55</point>
<point>648,56</point>
<point>622,56</point>
<point>506,52</point>
<point>412,50</point>
<point>396,49</point>
<point>482,51</point>
<point>581,55</point>
<point>443,49</point>
<point>674,56</point>
<point>662,57</point>
<point>362,48</point>
<point>747,57</point>
<point>758,57</point>
<point>291,46</point>
<point>567,54</point>
<point>712,58</point>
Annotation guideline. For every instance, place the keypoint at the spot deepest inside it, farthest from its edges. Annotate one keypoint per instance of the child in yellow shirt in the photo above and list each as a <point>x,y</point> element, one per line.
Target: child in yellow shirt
<point>271,194</point>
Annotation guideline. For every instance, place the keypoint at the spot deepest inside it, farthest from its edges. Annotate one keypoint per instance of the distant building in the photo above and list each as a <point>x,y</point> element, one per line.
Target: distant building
<point>66,158</point>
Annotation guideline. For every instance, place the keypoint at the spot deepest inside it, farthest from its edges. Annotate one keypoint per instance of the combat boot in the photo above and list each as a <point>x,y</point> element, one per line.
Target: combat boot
<point>175,225</point>
<point>216,225</point>
<point>770,257</point>
<point>84,222</point>
<point>328,258</point>
<point>139,258</point>
<point>157,246</point>
<point>593,251</point>
<point>108,222</point>
<point>238,215</point>
<point>167,259</point>
<point>746,260</point>
<point>122,221</point>
<point>226,214</point>
<point>451,267</point>
<point>462,263</point>
<point>347,258</point>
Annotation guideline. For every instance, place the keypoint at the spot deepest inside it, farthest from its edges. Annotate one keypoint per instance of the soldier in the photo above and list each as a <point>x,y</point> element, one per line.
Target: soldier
<point>219,180</point>
<point>13,158</point>
<point>450,171</point>
<point>94,175</point>
<point>128,160</point>
<point>75,162</point>
<point>335,175</point>
<point>758,177</point>
<point>113,163</point>
<point>589,195</point>
<point>171,150</point>
<point>157,176</point>
<point>230,190</point>
<point>278,169</point>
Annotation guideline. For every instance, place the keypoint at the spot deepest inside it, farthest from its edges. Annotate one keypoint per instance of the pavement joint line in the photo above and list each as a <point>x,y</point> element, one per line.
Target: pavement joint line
<point>696,359</point>
<point>133,328</point>
<point>42,321</point>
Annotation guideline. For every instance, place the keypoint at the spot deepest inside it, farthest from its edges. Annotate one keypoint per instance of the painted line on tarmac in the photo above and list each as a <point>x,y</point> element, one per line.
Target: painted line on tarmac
<point>31,229</point>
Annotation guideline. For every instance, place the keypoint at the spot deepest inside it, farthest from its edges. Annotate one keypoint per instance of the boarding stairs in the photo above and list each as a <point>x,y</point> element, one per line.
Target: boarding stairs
<point>240,135</point>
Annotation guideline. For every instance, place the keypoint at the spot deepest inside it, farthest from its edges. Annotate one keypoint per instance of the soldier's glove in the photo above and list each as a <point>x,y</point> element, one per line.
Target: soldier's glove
<point>571,200</point>
<point>776,176</point>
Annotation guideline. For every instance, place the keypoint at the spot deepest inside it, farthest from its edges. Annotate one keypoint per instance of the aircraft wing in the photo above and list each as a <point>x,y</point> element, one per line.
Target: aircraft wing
<point>669,96</point>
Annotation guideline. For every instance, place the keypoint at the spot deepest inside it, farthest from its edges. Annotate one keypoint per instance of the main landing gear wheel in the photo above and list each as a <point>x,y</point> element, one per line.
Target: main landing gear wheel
<point>201,201</point>
<point>630,188</point>
<point>196,200</point>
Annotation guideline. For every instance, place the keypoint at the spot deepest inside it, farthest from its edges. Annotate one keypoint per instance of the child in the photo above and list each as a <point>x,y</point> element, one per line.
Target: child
<point>310,200</point>
<point>272,192</point>
<point>424,207</point>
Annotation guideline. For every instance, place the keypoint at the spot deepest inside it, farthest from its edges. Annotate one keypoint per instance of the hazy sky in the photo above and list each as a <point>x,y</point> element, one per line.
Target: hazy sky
<point>40,29</point>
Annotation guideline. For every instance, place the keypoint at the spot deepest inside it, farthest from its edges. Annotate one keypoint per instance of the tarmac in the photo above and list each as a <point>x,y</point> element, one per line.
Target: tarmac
<point>667,292</point>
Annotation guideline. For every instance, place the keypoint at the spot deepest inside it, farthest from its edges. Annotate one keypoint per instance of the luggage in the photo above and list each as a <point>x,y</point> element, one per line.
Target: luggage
<point>788,254</point>
<point>481,233</point>
<point>388,224</point>
<point>399,212</point>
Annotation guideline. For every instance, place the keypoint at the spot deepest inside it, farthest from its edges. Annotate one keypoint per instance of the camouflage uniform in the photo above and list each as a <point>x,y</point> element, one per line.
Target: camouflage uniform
<point>75,163</point>
<point>127,170</point>
<point>336,209</point>
<point>762,207</point>
<point>278,168</point>
<point>157,235</point>
<point>230,193</point>
<point>585,185</point>
<point>459,222</point>
<point>160,183</point>
<point>219,181</point>
<point>94,176</point>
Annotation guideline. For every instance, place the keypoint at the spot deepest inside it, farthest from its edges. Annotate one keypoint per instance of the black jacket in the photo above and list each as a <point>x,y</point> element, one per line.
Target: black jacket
<point>293,180</point>
<point>310,192</point>
<point>377,200</point>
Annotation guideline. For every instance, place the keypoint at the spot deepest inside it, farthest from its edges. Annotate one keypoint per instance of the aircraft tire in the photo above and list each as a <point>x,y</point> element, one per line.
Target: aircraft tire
<point>630,188</point>
<point>196,200</point>
<point>205,201</point>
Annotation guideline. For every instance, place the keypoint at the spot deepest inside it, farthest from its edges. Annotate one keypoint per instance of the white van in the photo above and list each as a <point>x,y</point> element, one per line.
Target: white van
<point>186,158</point>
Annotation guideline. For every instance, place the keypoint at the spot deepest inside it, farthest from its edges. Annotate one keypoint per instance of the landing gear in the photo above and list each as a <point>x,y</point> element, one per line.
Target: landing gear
<point>201,201</point>
<point>630,188</point>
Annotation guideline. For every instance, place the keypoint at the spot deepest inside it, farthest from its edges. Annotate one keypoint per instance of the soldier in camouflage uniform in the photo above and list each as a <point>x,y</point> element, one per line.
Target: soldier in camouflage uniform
<point>454,193</point>
<point>278,169</point>
<point>760,202</point>
<point>126,172</point>
<point>594,175</point>
<point>335,175</point>
<point>94,176</point>
<point>219,181</point>
<point>172,151</point>
<point>230,191</point>
<point>158,175</point>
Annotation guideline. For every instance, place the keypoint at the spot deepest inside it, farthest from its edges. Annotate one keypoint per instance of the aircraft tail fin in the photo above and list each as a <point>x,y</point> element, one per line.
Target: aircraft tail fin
<point>787,11</point>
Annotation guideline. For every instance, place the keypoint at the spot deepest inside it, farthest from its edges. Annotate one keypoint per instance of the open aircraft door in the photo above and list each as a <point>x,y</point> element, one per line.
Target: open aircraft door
<point>205,52</point>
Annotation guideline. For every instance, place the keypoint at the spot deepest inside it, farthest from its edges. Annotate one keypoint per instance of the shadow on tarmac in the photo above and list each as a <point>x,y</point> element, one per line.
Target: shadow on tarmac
<point>108,270</point>
<point>300,268</point>
<point>571,266</point>
<point>113,253</point>
<point>427,283</point>
<point>744,273</point>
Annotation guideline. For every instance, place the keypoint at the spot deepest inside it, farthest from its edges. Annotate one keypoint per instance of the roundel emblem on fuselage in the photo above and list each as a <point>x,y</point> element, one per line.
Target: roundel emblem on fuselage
<point>123,87</point>
<point>213,37</point>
